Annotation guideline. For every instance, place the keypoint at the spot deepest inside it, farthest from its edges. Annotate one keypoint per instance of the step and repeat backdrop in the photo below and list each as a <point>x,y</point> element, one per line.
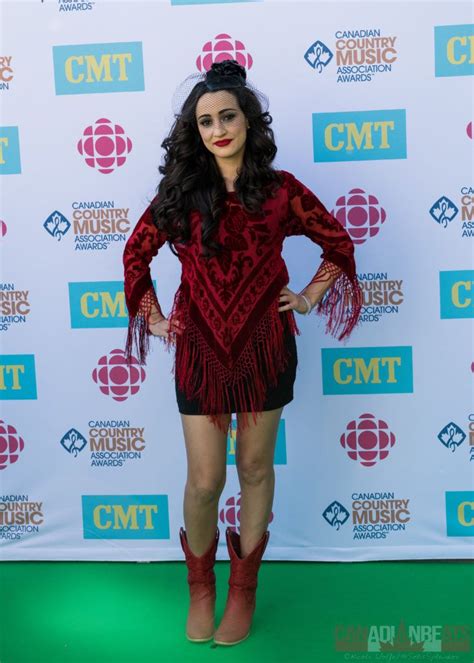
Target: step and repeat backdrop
<point>373,110</point>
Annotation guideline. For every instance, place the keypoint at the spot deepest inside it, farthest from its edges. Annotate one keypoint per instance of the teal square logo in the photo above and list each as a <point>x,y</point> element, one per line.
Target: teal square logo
<point>456,291</point>
<point>454,50</point>
<point>17,377</point>
<point>359,135</point>
<point>95,304</point>
<point>375,370</point>
<point>92,68</point>
<point>460,513</point>
<point>125,516</point>
<point>10,162</point>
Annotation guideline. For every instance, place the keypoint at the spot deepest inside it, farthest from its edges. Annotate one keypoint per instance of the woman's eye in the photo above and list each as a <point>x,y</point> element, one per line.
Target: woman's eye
<point>230,117</point>
<point>205,123</point>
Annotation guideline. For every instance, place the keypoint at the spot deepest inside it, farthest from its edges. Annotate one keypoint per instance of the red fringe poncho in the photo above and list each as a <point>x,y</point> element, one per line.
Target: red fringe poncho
<point>229,303</point>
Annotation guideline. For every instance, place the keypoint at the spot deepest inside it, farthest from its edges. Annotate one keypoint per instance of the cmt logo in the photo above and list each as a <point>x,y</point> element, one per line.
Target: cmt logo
<point>460,513</point>
<point>454,50</point>
<point>90,68</point>
<point>456,289</point>
<point>280,448</point>
<point>10,163</point>
<point>377,370</point>
<point>97,304</point>
<point>125,516</point>
<point>17,377</point>
<point>359,135</point>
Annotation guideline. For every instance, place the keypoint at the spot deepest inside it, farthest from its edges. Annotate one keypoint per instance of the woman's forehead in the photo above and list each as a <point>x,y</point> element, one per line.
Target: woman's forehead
<point>213,102</point>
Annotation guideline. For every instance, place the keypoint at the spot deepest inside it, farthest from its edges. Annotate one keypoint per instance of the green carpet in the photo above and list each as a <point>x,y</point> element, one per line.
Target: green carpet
<point>96,612</point>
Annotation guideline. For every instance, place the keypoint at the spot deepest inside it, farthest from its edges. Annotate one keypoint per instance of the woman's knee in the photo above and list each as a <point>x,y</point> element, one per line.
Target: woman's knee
<point>254,471</point>
<point>205,489</point>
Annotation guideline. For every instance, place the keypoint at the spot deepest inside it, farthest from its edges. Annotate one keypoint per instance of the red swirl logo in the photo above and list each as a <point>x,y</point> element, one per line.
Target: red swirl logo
<point>104,146</point>
<point>117,377</point>
<point>11,445</point>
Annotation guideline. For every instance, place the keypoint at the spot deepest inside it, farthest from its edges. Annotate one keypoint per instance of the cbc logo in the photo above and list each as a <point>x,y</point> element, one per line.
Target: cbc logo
<point>361,214</point>
<point>221,48</point>
<point>11,445</point>
<point>104,146</point>
<point>118,378</point>
<point>367,440</point>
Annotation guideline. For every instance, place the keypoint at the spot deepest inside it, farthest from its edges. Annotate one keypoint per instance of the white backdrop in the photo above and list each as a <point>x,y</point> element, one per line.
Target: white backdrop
<point>374,454</point>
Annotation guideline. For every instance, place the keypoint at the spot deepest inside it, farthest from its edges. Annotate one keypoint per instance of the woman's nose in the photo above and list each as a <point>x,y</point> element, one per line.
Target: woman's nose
<point>219,129</point>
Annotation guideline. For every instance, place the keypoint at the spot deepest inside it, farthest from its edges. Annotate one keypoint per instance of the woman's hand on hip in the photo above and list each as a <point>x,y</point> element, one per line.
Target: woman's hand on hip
<point>163,327</point>
<point>290,300</point>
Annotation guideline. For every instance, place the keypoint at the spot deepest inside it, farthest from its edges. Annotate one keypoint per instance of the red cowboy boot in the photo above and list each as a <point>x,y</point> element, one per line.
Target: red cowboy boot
<point>240,606</point>
<point>202,590</point>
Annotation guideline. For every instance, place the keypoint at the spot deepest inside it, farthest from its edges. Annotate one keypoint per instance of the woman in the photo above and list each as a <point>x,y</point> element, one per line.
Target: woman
<point>225,212</point>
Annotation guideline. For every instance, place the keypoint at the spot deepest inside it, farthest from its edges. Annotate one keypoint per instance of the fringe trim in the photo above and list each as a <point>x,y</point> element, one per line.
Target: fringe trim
<point>342,305</point>
<point>201,375</point>
<point>138,335</point>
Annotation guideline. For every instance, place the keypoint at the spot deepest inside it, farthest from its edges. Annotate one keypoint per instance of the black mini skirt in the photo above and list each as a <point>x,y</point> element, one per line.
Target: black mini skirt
<point>277,396</point>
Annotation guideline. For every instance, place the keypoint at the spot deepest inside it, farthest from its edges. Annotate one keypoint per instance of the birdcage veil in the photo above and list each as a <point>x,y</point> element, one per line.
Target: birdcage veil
<point>226,75</point>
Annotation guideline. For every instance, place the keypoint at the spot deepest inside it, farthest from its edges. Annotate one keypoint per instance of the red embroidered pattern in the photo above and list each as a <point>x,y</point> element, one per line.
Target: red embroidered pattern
<point>228,304</point>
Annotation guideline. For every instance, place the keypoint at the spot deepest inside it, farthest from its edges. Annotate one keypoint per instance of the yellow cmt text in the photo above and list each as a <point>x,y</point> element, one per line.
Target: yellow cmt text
<point>359,371</point>
<point>89,69</point>
<point>348,136</point>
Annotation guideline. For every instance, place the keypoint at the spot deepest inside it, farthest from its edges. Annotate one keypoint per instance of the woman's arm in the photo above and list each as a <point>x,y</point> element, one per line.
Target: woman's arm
<point>140,296</point>
<point>334,289</point>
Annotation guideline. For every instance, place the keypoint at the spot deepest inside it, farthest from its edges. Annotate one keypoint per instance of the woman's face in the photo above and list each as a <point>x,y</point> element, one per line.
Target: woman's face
<point>222,124</point>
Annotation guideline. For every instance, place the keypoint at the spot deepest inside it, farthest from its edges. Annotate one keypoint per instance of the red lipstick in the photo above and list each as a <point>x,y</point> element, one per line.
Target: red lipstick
<point>223,143</point>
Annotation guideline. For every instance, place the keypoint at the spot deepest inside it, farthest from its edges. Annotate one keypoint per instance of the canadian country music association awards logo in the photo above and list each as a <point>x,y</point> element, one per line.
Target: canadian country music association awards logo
<point>358,54</point>
<point>104,146</point>
<point>19,516</point>
<point>14,306</point>
<point>367,440</point>
<point>360,213</point>
<point>223,47</point>
<point>444,211</point>
<point>230,514</point>
<point>117,377</point>
<point>11,445</point>
<point>451,436</point>
<point>381,295</point>
<point>96,224</point>
<point>375,515</point>
<point>111,442</point>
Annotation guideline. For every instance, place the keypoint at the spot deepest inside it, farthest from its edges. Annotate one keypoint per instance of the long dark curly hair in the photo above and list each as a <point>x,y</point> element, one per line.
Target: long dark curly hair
<point>191,178</point>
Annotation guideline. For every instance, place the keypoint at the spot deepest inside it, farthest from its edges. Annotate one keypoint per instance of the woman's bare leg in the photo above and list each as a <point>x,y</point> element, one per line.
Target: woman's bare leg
<point>206,448</point>
<point>254,458</point>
